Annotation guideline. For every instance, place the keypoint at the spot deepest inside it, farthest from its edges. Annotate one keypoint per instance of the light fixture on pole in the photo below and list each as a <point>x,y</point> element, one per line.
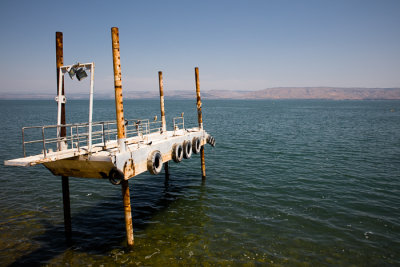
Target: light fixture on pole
<point>78,71</point>
<point>81,74</point>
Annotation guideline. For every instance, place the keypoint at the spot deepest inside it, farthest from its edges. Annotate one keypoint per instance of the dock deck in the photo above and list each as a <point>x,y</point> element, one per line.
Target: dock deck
<point>103,158</point>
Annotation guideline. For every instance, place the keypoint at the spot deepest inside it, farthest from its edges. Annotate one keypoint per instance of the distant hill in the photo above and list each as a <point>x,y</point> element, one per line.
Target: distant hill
<point>324,93</point>
<point>336,93</point>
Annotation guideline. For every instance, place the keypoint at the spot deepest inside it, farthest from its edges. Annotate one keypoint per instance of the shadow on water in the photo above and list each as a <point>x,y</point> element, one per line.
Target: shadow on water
<point>100,229</point>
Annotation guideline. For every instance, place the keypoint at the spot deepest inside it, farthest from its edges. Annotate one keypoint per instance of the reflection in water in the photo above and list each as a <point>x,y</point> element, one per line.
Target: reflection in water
<point>100,230</point>
<point>290,183</point>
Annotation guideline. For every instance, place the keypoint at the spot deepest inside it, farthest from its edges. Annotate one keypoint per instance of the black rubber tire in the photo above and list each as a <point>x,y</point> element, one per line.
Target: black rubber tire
<point>211,140</point>
<point>154,162</point>
<point>116,176</point>
<point>196,145</point>
<point>187,149</point>
<point>177,153</point>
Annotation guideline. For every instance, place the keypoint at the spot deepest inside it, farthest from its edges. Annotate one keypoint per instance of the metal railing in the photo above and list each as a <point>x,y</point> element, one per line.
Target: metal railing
<point>179,123</point>
<point>78,137</point>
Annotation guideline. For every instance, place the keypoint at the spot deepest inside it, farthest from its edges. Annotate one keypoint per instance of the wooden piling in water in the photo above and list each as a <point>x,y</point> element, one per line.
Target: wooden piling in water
<point>67,207</point>
<point>60,63</point>
<point>166,170</point>
<point>161,86</point>
<point>119,106</point>
<point>163,122</point>
<point>128,212</point>
<point>63,133</point>
<point>121,131</point>
<point>200,120</point>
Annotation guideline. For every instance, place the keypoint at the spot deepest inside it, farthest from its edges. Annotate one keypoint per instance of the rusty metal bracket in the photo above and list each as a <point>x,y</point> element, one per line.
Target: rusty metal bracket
<point>129,169</point>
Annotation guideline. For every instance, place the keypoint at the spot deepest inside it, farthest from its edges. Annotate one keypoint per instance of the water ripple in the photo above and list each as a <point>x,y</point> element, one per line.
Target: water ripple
<point>289,183</point>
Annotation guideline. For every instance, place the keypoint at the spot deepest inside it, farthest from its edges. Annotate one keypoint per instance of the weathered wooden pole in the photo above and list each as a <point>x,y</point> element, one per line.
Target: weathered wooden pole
<point>63,133</point>
<point>128,212</point>
<point>67,207</point>
<point>163,122</point>
<point>200,120</point>
<point>166,170</point>
<point>161,86</point>
<point>119,107</point>
<point>60,63</point>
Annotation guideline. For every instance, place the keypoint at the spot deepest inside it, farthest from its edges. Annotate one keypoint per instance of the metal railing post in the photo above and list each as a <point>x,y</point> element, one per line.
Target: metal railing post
<point>77,137</point>
<point>104,134</point>
<point>23,142</point>
<point>91,105</point>
<point>44,143</point>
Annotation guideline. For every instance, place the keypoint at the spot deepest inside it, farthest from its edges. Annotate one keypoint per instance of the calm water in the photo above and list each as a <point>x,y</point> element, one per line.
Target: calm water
<point>289,183</point>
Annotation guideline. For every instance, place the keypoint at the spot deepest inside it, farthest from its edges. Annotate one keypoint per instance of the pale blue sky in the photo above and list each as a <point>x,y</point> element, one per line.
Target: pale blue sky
<point>239,45</point>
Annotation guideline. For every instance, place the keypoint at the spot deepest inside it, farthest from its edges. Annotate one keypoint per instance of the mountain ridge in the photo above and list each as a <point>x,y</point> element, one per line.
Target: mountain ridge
<point>334,93</point>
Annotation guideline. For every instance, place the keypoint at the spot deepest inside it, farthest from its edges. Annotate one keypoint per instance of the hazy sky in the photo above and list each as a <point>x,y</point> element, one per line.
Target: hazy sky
<point>239,45</point>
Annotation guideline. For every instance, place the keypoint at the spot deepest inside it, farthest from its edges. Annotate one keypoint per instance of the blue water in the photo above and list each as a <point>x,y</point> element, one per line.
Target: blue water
<point>290,182</point>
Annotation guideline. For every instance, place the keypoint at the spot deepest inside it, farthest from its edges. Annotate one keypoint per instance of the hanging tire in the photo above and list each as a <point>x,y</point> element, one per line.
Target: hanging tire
<point>211,140</point>
<point>196,145</point>
<point>154,162</point>
<point>187,149</point>
<point>116,176</point>
<point>177,153</point>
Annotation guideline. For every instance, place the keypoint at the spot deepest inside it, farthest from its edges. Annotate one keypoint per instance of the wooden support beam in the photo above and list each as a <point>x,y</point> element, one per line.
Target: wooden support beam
<point>128,212</point>
<point>63,133</point>
<point>166,170</point>
<point>200,121</point>
<point>161,86</point>
<point>119,107</point>
<point>67,207</point>
<point>163,122</point>
<point>203,163</point>
<point>60,63</point>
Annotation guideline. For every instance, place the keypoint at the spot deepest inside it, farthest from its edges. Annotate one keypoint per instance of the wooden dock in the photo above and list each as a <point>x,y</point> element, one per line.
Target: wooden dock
<point>115,150</point>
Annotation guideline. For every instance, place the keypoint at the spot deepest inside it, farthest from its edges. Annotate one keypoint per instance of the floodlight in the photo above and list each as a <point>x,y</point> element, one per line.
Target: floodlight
<point>72,72</point>
<point>80,74</point>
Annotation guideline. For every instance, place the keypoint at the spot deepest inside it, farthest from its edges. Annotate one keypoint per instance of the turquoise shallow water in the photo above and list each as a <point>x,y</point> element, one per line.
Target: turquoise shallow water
<point>289,183</point>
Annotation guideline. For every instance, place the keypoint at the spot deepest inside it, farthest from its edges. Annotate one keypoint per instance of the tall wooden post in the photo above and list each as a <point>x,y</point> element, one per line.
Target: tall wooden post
<point>67,207</point>
<point>119,107</point>
<point>163,122</point>
<point>200,120</point>
<point>63,133</point>
<point>161,86</point>
<point>60,63</point>
<point>128,212</point>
